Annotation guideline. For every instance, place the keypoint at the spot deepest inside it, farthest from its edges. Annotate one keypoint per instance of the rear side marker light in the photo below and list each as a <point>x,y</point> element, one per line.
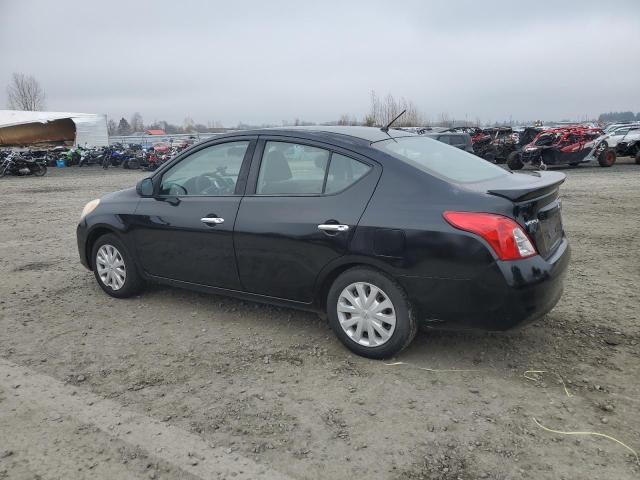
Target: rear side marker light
<point>504,235</point>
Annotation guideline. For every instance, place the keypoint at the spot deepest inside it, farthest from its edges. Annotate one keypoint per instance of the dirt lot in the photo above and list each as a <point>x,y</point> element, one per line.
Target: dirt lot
<point>175,384</point>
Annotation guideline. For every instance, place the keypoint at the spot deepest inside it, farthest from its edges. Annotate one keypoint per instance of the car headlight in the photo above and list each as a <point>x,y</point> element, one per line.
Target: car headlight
<point>89,207</point>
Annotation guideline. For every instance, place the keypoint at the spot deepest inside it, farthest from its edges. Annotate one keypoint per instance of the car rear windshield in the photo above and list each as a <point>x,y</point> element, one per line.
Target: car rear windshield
<point>440,159</point>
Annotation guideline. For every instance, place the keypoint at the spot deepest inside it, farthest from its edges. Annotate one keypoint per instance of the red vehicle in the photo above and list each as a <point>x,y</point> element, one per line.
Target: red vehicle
<point>564,146</point>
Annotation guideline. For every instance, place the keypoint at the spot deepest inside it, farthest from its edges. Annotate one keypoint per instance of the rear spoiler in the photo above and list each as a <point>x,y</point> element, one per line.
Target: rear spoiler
<point>529,186</point>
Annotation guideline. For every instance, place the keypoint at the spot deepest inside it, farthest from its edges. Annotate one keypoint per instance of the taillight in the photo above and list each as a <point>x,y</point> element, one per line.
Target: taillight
<point>504,235</point>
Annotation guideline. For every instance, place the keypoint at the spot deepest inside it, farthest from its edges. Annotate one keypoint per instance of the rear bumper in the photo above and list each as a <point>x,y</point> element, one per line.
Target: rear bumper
<point>501,297</point>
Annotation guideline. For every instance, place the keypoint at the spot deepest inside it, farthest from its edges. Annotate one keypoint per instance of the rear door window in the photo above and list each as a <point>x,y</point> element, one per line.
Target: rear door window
<point>295,169</point>
<point>457,140</point>
<point>291,168</point>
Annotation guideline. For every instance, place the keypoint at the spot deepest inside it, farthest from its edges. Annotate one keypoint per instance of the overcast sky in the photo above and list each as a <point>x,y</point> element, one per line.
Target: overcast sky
<point>268,61</point>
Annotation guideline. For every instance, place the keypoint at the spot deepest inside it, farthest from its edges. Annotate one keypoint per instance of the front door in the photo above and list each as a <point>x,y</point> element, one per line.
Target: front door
<point>299,214</point>
<point>186,231</point>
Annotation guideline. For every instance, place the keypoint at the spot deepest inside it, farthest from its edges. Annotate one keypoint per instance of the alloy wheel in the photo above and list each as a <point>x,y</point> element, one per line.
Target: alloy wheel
<point>111,268</point>
<point>366,314</point>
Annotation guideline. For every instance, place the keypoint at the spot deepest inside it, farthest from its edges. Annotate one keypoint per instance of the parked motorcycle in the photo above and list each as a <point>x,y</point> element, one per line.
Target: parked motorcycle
<point>15,164</point>
<point>91,157</point>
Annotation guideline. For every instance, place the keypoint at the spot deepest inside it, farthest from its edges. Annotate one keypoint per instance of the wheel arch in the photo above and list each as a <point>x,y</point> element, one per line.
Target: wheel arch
<point>335,269</point>
<point>93,236</point>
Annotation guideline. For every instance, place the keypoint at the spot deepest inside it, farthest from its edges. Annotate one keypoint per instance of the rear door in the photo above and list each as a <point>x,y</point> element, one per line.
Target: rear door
<point>304,200</point>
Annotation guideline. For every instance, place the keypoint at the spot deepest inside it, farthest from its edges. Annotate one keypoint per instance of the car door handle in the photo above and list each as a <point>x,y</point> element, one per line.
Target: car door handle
<point>212,220</point>
<point>331,227</point>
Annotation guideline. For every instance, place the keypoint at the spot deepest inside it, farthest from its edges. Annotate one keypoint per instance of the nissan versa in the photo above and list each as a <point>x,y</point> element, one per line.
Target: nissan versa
<point>380,229</point>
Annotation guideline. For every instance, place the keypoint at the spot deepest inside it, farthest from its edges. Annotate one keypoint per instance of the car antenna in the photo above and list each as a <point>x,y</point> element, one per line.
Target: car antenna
<point>386,128</point>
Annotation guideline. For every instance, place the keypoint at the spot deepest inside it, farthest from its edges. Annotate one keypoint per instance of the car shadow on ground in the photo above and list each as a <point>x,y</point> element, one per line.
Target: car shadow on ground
<point>520,348</point>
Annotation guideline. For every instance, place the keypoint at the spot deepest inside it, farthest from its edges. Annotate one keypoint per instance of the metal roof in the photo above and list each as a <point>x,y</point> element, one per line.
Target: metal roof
<point>9,118</point>
<point>90,128</point>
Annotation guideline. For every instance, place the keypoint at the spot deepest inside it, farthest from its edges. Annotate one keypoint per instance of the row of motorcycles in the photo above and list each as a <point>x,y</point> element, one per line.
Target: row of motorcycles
<point>35,162</point>
<point>131,157</point>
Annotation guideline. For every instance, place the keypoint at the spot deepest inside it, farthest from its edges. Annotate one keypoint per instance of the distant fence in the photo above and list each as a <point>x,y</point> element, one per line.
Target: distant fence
<point>150,140</point>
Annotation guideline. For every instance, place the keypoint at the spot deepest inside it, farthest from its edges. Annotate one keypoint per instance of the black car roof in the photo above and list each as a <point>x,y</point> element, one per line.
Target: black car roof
<point>366,135</point>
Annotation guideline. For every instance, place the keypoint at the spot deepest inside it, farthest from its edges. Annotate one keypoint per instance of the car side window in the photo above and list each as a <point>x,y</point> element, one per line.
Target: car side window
<point>211,171</point>
<point>344,171</point>
<point>291,168</point>
<point>456,140</point>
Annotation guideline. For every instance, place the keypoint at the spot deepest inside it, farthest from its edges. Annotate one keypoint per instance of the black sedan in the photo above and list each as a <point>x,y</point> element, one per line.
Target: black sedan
<point>379,230</point>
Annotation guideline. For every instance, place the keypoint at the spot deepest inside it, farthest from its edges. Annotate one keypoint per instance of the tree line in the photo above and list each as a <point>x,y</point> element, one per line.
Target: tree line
<point>618,117</point>
<point>136,125</point>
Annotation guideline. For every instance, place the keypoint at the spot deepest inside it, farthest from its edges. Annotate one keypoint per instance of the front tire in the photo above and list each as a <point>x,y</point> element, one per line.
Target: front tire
<point>114,268</point>
<point>370,313</point>
<point>607,157</point>
<point>514,162</point>
<point>638,157</point>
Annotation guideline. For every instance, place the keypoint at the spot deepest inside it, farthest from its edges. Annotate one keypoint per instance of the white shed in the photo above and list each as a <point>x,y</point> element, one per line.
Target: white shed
<point>29,128</point>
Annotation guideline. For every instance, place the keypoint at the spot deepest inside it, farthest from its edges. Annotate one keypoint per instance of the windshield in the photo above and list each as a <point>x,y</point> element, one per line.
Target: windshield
<point>442,160</point>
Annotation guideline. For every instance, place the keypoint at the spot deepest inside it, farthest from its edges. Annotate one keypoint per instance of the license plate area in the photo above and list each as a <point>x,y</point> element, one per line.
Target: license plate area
<point>550,228</point>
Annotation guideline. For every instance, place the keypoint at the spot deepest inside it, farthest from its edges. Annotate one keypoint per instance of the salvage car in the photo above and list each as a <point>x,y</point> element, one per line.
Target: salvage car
<point>377,229</point>
<point>459,140</point>
<point>629,144</point>
<point>624,140</point>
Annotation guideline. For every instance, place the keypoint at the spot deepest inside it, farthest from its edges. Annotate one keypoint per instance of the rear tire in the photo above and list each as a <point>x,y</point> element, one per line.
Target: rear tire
<point>607,158</point>
<point>133,164</point>
<point>638,157</point>
<point>40,171</point>
<point>114,268</point>
<point>373,312</point>
<point>514,162</point>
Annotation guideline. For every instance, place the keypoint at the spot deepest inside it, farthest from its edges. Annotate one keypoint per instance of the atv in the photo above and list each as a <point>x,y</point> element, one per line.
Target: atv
<point>498,145</point>
<point>629,145</point>
<point>564,146</point>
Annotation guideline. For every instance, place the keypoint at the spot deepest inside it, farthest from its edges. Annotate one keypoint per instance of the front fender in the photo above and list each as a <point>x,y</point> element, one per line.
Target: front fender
<point>92,228</point>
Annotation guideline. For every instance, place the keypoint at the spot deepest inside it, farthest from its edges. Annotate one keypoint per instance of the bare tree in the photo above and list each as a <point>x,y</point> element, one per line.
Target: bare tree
<point>188,125</point>
<point>346,119</point>
<point>137,124</point>
<point>25,93</point>
<point>445,120</point>
<point>112,127</point>
<point>383,111</point>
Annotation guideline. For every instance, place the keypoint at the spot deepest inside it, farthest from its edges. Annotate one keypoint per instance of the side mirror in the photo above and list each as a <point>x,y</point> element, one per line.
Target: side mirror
<point>145,187</point>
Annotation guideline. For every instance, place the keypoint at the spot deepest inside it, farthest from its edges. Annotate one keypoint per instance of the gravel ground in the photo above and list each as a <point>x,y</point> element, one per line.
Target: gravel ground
<point>273,390</point>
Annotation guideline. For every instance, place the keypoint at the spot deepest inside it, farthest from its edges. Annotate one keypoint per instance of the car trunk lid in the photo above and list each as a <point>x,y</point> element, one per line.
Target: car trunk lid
<point>537,205</point>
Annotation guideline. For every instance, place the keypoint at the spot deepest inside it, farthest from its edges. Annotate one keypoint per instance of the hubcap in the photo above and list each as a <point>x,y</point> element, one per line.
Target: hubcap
<point>110,266</point>
<point>366,314</point>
